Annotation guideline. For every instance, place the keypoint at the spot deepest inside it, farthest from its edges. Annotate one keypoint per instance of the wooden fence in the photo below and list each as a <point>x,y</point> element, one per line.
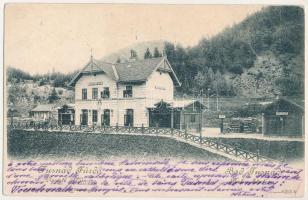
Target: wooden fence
<point>177,133</point>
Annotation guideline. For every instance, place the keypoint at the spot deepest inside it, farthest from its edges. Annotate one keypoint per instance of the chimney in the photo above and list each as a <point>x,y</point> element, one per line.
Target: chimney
<point>133,55</point>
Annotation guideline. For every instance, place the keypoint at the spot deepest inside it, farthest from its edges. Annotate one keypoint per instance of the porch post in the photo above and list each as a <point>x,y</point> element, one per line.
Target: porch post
<point>185,124</point>
<point>172,117</point>
<point>263,124</point>
<point>201,121</point>
<point>303,125</point>
<point>181,120</point>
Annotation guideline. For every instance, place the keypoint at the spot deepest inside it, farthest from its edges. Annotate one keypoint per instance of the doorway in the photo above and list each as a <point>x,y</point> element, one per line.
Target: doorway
<point>129,118</point>
<point>106,118</point>
<point>84,117</point>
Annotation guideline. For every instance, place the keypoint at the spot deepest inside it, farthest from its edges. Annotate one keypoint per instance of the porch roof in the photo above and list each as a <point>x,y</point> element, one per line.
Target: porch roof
<point>69,106</point>
<point>178,103</point>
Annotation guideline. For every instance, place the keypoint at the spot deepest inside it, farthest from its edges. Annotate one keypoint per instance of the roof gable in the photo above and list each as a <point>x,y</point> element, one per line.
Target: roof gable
<point>283,104</point>
<point>129,72</point>
<point>44,108</point>
<point>91,67</point>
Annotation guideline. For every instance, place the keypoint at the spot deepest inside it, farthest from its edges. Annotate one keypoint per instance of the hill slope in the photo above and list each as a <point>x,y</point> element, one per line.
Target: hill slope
<point>261,56</point>
<point>140,48</point>
<point>263,53</point>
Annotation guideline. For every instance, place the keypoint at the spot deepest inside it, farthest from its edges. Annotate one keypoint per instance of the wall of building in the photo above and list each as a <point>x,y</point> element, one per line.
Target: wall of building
<point>289,125</point>
<point>160,86</point>
<point>139,90</point>
<point>41,115</point>
<point>117,109</point>
<point>44,115</point>
<point>98,81</point>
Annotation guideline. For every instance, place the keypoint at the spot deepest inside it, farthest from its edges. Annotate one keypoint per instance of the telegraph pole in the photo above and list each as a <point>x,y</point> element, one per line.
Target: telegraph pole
<point>208,97</point>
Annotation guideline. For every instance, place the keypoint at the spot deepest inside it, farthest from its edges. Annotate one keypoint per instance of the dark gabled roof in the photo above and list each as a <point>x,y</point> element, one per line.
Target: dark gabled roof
<point>137,70</point>
<point>283,104</point>
<point>179,103</point>
<point>44,108</point>
<point>128,72</point>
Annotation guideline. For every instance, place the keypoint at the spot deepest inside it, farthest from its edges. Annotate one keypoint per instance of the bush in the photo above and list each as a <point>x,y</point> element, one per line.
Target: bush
<point>236,69</point>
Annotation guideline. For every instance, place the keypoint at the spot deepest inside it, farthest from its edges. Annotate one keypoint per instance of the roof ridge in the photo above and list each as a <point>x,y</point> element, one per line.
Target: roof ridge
<point>133,61</point>
<point>114,69</point>
<point>291,102</point>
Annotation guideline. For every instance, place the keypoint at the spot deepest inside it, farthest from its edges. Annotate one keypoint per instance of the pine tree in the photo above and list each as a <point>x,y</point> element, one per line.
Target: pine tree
<point>148,54</point>
<point>200,81</point>
<point>157,53</point>
<point>53,96</point>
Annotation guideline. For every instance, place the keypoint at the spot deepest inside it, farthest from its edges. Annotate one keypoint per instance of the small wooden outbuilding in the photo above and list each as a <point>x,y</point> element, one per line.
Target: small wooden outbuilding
<point>283,117</point>
<point>44,112</point>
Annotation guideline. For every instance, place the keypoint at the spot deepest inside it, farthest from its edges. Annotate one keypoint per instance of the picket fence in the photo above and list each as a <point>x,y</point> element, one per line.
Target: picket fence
<point>211,143</point>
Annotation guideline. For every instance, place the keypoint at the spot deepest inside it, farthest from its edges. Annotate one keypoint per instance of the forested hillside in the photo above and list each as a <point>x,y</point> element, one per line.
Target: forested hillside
<point>262,55</point>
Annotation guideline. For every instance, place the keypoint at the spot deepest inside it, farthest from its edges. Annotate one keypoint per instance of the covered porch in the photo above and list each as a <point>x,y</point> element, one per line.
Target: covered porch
<point>177,114</point>
<point>66,114</point>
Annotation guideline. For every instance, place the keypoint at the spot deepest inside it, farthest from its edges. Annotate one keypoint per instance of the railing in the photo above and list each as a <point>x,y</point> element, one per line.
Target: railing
<point>177,133</point>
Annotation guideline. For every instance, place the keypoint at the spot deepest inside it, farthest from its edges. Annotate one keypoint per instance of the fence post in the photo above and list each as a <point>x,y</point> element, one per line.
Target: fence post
<point>258,155</point>
<point>142,129</point>
<point>156,130</point>
<point>129,127</point>
<point>236,151</point>
<point>171,131</point>
<point>117,127</point>
<point>70,126</point>
<point>104,127</point>
<point>93,127</point>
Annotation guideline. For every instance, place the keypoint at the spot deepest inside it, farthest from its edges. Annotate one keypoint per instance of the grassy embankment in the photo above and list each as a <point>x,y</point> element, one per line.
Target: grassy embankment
<point>34,145</point>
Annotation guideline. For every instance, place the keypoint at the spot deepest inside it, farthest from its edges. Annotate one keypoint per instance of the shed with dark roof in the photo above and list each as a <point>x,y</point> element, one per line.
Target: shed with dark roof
<point>283,117</point>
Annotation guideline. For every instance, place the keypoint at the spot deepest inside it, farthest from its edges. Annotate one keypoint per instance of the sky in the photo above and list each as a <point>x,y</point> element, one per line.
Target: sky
<point>42,37</point>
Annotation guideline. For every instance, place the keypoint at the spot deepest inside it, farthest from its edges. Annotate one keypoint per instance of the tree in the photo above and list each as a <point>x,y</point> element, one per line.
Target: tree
<point>200,81</point>
<point>53,96</point>
<point>148,54</point>
<point>13,73</point>
<point>156,53</point>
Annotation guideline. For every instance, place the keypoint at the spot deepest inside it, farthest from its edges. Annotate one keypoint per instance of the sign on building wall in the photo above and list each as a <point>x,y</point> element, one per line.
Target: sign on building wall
<point>282,113</point>
<point>95,83</point>
<point>221,116</point>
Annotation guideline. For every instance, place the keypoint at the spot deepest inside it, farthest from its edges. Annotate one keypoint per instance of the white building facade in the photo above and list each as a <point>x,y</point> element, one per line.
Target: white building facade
<point>122,93</point>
